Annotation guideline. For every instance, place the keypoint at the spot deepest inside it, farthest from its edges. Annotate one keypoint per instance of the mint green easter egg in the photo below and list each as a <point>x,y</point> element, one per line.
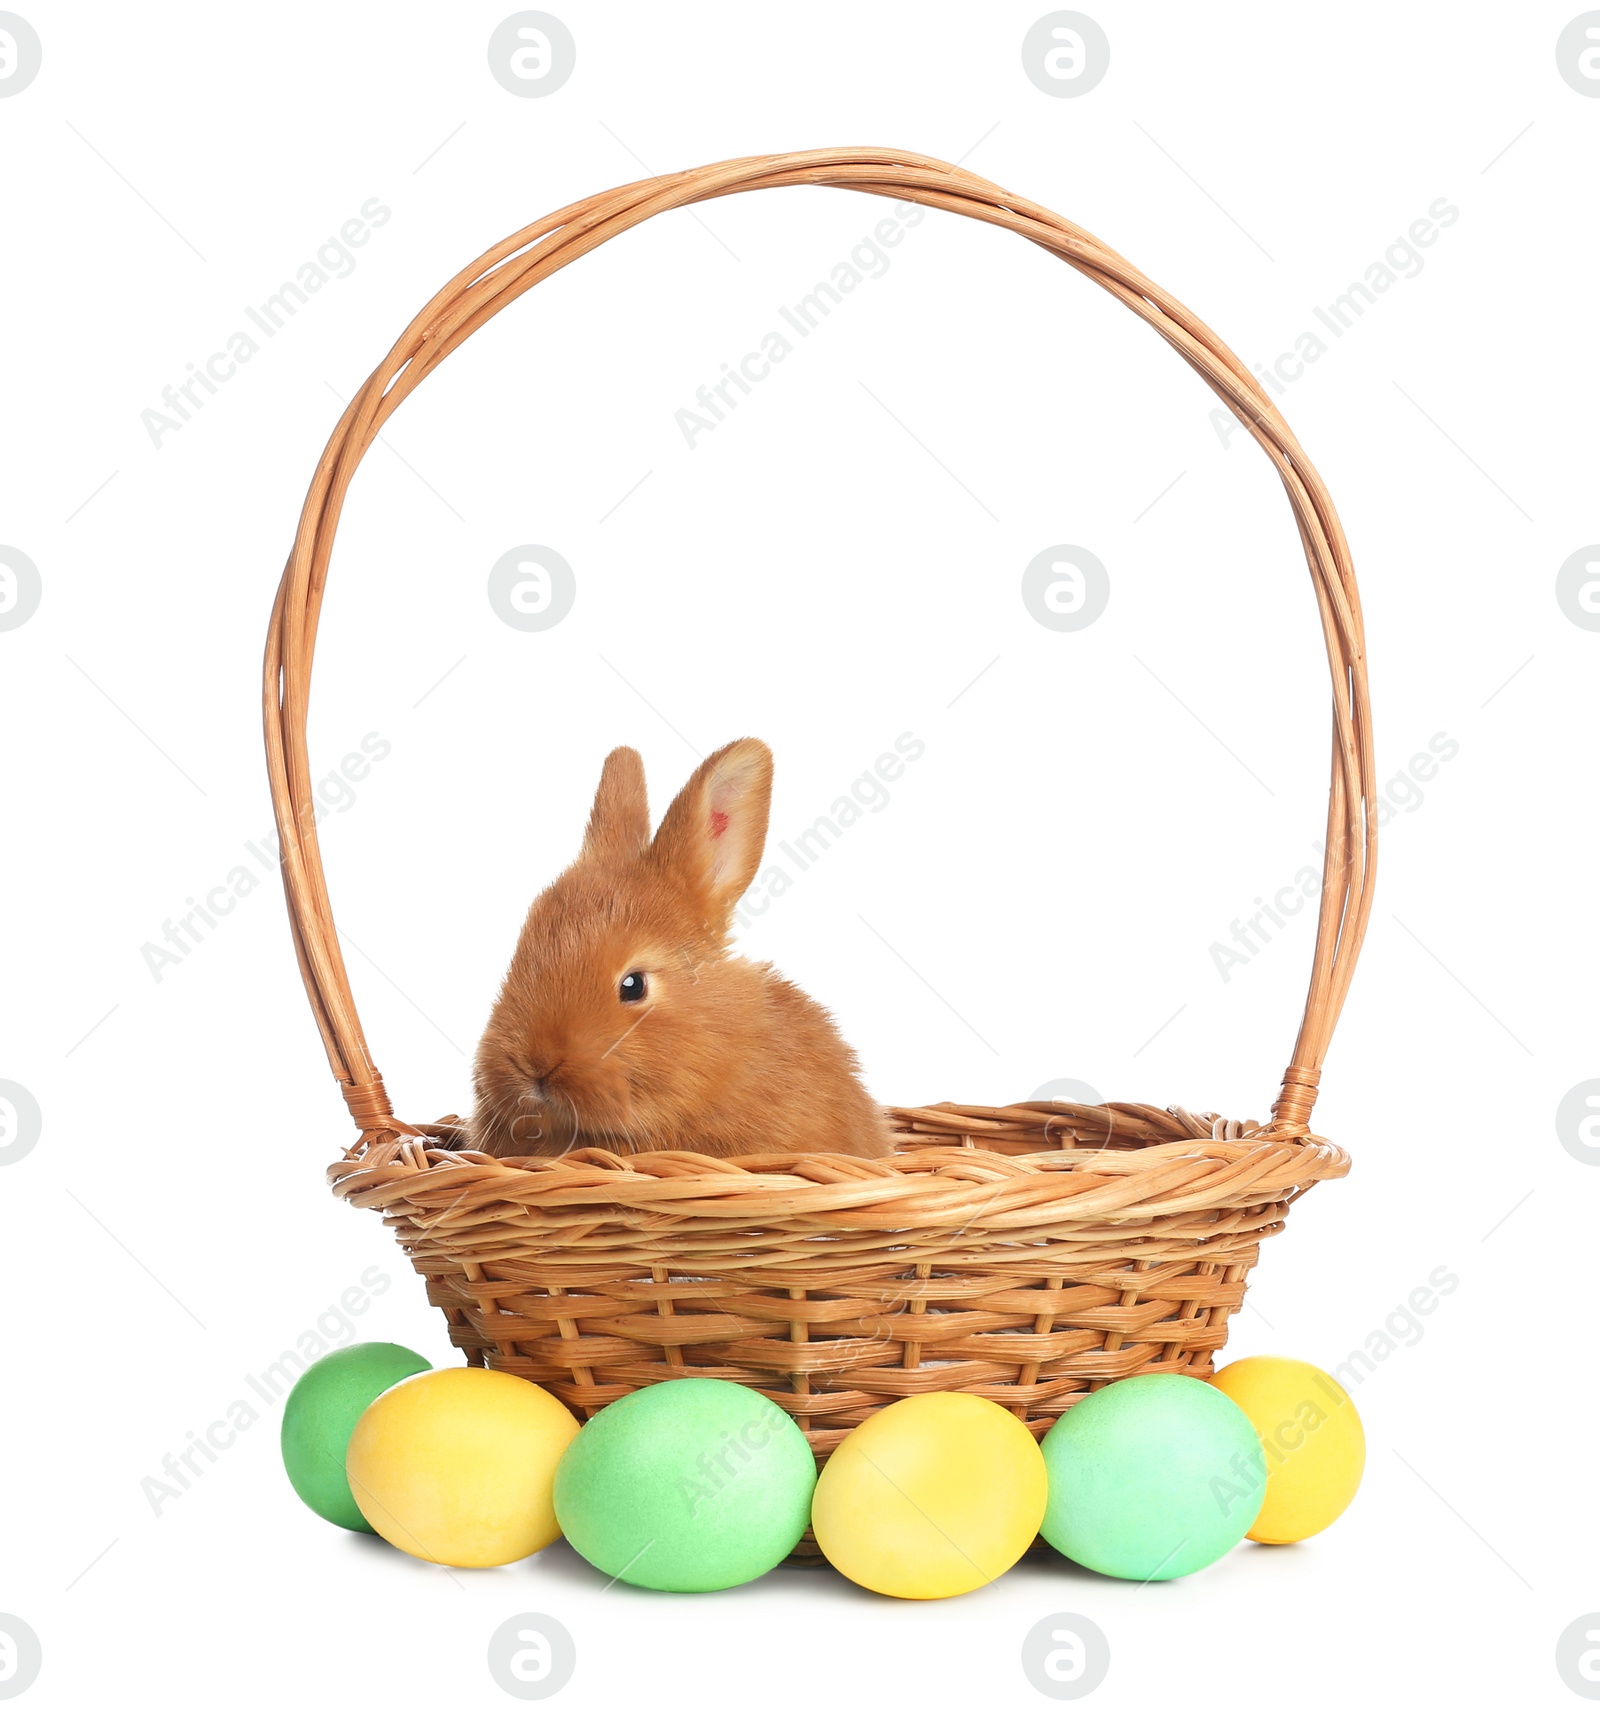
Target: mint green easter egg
<point>321,1413</point>
<point>1152,1478</point>
<point>687,1486</point>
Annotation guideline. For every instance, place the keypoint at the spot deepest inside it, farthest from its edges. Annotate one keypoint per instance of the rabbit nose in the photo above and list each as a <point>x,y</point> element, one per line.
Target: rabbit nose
<point>542,1080</point>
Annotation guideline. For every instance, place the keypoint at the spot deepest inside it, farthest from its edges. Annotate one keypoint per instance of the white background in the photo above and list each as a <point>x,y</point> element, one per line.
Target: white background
<point>833,566</point>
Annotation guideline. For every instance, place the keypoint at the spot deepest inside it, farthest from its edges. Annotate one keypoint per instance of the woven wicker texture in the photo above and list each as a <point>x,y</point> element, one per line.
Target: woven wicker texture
<point>1025,1253</point>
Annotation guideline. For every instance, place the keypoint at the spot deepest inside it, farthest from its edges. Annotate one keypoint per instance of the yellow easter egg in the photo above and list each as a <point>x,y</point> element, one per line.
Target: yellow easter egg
<point>932,1496</point>
<point>458,1466</point>
<point>1311,1434</point>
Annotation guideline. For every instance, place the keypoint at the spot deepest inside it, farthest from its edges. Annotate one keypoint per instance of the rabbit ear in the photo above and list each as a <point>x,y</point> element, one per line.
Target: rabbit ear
<point>713,834</point>
<point>619,822</point>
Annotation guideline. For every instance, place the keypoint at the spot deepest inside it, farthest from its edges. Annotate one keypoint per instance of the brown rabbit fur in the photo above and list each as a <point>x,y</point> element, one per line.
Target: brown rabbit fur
<point>625,1023</point>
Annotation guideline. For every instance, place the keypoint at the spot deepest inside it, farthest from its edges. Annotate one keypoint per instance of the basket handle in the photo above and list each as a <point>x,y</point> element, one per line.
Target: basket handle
<point>512,267</point>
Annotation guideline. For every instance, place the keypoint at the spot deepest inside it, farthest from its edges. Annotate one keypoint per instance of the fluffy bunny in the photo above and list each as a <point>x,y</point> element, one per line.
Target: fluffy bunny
<point>625,1023</point>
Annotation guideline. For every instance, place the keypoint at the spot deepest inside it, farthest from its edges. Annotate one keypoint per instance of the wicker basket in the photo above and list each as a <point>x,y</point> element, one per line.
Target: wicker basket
<point>1028,1253</point>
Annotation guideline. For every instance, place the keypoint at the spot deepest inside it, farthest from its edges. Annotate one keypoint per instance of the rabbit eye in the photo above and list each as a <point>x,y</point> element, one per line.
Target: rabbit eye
<point>632,987</point>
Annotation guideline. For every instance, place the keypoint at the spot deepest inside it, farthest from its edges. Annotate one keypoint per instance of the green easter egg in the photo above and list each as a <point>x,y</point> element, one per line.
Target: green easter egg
<point>1152,1478</point>
<point>686,1486</point>
<point>323,1408</point>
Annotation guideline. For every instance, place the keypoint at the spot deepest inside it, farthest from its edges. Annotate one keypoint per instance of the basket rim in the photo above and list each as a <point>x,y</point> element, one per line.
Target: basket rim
<point>924,1185</point>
